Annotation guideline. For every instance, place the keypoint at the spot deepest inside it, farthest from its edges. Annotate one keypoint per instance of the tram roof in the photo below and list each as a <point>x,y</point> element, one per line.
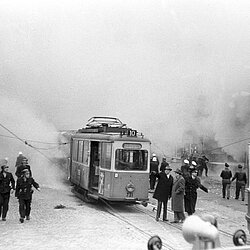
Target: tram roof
<point>109,137</point>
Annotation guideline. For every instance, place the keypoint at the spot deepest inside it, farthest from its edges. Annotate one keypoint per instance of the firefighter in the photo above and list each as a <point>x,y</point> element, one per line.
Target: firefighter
<point>154,163</point>
<point>241,181</point>
<point>185,168</point>
<point>20,168</point>
<point>7,185</point>
<point>19,159</point>
<point>226,176</point>
<point>24,193</point>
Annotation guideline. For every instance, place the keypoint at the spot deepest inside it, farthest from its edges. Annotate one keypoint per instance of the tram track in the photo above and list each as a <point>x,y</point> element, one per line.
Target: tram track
<point>179,226</point>
<point>114,212</point>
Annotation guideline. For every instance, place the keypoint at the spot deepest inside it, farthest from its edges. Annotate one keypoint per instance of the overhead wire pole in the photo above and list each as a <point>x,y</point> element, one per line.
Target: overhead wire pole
<point>25,142</point>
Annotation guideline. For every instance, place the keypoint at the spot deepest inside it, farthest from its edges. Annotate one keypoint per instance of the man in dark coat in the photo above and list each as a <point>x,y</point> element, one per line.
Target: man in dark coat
<point>178,191</point>
<point>7,183</point>
<point>185,168</point>
<point>20,168</point>
<point>192,184</point>
<point>241,181</point>
<point>163,191</point>
<point>154,163</point>
<point>24,194</point>
<point>226,176</point>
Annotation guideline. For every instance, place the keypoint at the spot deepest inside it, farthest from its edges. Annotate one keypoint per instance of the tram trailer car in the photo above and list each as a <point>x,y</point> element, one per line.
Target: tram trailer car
<point>109,161</point>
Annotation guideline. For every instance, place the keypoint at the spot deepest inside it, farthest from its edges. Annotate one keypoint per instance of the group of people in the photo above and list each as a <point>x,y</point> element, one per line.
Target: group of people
<point>181,189</point>
<point>22,187</point>
<point>228,178</point>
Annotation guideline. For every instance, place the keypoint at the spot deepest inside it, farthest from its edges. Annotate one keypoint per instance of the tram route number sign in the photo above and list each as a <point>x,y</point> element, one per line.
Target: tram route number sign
<point>132,133</point>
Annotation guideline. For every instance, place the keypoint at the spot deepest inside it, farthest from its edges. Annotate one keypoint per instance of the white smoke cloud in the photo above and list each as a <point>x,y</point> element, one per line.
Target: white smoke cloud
<point>20,124</point>
<point>162,67</point>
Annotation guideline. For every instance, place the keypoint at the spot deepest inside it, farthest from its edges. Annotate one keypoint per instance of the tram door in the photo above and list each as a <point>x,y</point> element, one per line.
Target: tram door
<point>95,154</point>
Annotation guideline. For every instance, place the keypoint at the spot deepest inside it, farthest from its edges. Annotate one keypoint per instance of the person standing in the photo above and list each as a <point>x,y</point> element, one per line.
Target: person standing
<point>19,159</point>
<point>7,185</point>
<point>192,184</point>
<point>178,191</point>
<point>164,164</point>
<point>185,168</point>
<point>163,191</point>
<point>24,194</point>
<point>241,181</point>
<point>154,163</point>
<point>226,176</point>
<point>20,168</point>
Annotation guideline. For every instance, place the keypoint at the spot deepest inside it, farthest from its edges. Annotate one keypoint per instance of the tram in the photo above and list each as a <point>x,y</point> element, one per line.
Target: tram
<point>110,161</point>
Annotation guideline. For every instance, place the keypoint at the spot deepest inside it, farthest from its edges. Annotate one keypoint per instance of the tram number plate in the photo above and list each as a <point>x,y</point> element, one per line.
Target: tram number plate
<point>132,133</point>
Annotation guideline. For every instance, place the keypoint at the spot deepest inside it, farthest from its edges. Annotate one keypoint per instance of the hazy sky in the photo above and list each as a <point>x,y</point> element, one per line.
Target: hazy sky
<point>160,66</point>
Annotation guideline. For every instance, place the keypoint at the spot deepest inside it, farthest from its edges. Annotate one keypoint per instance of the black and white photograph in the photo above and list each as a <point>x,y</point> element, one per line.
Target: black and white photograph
<point>124,124</point>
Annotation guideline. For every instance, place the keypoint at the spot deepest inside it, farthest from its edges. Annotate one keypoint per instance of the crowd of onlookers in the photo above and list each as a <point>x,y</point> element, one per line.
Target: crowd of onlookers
<point>182,188</point>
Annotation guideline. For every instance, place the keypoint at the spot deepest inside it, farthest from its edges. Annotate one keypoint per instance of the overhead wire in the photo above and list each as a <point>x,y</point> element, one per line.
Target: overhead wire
<point>26,143</point>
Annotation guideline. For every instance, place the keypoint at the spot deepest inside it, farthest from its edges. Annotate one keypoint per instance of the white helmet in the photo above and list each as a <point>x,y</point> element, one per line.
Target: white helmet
<point>194,163</point>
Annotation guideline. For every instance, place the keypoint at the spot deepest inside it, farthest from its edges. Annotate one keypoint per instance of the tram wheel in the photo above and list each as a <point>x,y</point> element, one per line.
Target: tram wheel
<point>154,243</point>
<point>239,238</point>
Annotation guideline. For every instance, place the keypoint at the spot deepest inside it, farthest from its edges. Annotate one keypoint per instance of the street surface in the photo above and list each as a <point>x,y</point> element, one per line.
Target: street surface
<point>78,225</point>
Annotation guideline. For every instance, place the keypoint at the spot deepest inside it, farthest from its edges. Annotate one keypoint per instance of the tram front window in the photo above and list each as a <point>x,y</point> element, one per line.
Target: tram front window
<point>131,160</point>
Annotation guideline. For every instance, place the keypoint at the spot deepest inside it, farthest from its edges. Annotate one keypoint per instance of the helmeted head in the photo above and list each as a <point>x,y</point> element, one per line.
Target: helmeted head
<point>194,163</point>
<point>186,161</point>
<point>240,167</point>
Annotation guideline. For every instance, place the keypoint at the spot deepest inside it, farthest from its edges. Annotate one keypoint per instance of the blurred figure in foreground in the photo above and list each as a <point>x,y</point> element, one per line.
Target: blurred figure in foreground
<point>241,181</point>
<point>163,191</point>
<point>226,176</point>
<point>7,185</point>
<point>24,193</point>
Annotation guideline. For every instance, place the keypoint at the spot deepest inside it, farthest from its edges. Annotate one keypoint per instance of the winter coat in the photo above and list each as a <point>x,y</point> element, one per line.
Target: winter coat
<point>178,190</point>
<point>191,187</point>
<point>20,169</point>
<point>164,186</point>
<point>240,177</point>
<point>24,187</point>
<point>226,175</point>
<point>5,183</point>
<point>154,166</point>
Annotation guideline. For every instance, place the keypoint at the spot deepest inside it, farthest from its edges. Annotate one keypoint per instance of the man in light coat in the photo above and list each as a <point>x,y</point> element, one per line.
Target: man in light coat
<point>178,191</point>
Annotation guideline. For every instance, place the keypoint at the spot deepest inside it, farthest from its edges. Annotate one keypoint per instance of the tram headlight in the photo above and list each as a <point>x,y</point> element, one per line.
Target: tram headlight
<point>130,187</point>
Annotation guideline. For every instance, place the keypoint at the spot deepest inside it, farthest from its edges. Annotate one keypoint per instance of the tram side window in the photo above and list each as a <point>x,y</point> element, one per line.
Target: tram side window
<point>85,152</point>
<point>80,151</point>
<point>131,160</point>
<point>75,150</point>
<point>106,155</point>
